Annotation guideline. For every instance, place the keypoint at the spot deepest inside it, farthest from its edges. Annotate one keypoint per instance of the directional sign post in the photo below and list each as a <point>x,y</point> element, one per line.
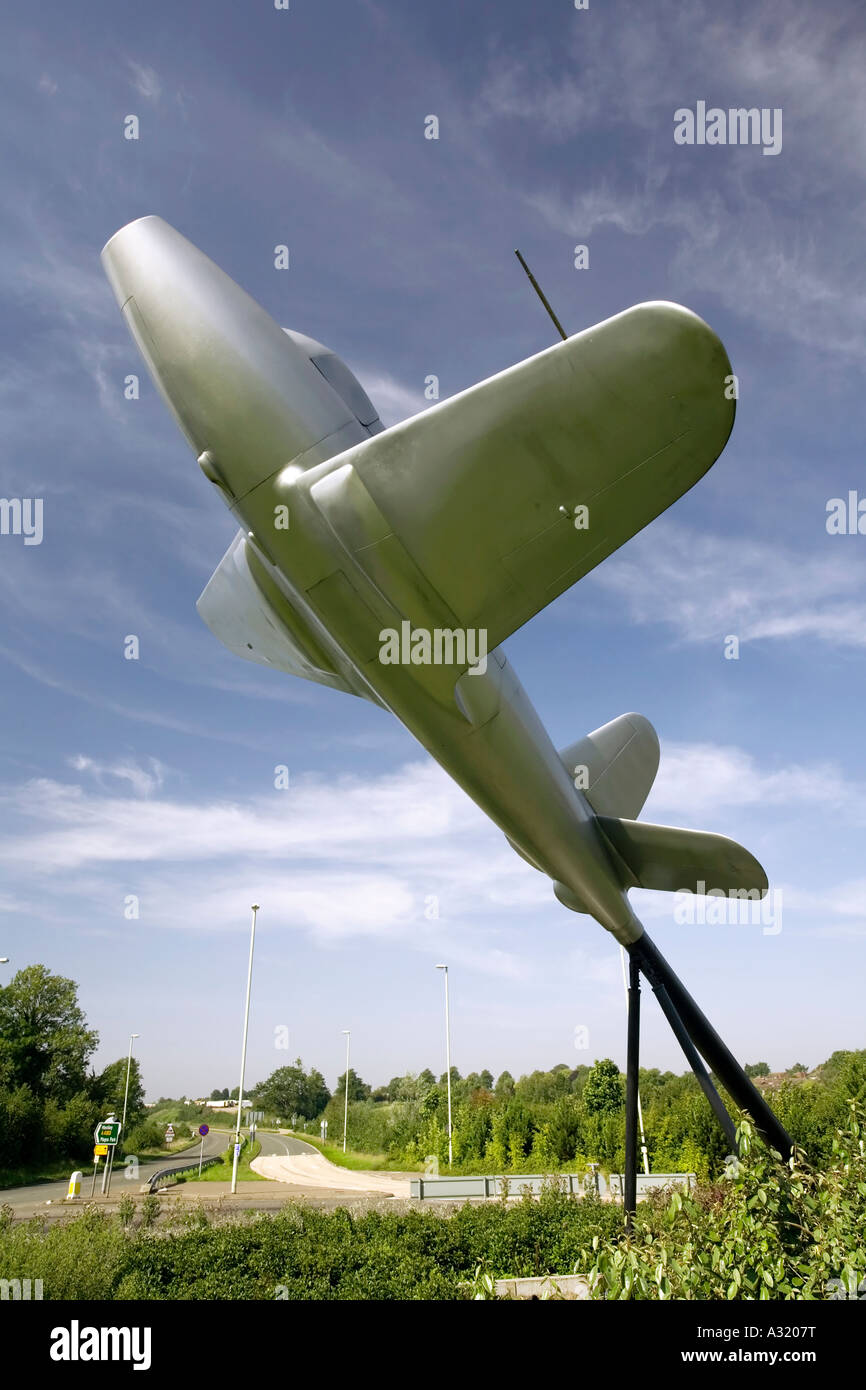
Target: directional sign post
<point>203,1130</point>
<point>105,1136</point>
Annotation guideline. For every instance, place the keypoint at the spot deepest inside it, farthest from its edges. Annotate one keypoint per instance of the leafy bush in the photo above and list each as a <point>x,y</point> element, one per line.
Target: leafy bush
<point>773,1230</point>
<point>768,1230</point>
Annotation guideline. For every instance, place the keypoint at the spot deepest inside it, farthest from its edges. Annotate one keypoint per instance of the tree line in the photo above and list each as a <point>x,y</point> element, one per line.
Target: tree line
<point>567,1117</point>
<point>51,1099</point>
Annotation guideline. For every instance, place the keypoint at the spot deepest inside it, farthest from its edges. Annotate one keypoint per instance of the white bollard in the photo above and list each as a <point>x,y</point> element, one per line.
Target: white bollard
<point>74,1187</point>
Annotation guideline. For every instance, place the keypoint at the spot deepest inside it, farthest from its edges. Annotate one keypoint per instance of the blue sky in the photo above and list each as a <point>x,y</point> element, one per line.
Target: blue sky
<point>155,778</point>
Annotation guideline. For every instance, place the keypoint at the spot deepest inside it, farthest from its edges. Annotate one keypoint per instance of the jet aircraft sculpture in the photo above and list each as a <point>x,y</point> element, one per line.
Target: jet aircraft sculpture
<point>364,552</point>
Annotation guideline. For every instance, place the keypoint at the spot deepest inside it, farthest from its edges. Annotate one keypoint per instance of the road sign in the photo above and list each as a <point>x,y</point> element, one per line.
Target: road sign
<point>100,1150</point>
<point>203,1130</point>
<point>237,1150</point>
<point>108,1132</point>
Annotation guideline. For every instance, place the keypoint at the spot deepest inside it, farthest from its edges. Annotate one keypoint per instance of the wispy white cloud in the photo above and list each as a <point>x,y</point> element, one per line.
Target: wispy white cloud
<point>143,780</point>
<point>706,587</point>
<point>145,81</point>
<point>697,780</point>
<point>403,857</point>
<point>393,400</point>
<point>754,236</point>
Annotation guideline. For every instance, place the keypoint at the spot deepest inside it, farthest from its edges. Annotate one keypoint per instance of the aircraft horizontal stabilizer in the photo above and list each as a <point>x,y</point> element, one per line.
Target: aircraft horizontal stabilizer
<point>615,766</point>
<point>675,860</point>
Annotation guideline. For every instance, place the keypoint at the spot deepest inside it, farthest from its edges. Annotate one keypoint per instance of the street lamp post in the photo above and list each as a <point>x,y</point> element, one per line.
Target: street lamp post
<point>447,1056</point>
<point>126,1088</point>
<point>346,1101</point>
<point>237,1144</point>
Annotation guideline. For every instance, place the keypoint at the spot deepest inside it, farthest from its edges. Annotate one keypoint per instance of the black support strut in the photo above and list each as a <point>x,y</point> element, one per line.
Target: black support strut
<point>697,1066</point>
<point>629,1186</point>
<point>699,1031</point>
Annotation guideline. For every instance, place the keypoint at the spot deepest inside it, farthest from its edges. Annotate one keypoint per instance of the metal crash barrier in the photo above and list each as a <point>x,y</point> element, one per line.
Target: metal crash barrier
<point>573,1184</point>
<point>153,1183</point>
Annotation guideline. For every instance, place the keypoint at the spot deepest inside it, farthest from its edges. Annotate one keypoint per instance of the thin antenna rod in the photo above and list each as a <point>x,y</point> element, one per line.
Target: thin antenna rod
<point>541,295</point>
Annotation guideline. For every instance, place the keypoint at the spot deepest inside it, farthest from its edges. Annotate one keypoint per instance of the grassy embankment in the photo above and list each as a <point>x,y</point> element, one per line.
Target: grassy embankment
<point>357,1161</point>
<point>222,1171</point>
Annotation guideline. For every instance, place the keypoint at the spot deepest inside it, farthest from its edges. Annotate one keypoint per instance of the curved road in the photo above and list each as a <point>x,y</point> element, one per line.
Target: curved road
<point>278,1145</point>
<point>298,1165</point>
<point>40,1193</point>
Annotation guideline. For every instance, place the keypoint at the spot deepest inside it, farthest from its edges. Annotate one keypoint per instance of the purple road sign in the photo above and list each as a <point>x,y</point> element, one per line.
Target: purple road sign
<point>203,1130</point>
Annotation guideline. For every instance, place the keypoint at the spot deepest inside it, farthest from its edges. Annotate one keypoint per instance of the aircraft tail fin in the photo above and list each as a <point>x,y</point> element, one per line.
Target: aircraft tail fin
<point>674,860</point>
<point>615,766</point>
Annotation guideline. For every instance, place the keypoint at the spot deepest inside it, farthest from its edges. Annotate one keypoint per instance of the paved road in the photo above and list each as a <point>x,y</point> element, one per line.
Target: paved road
<point>279,1144</point>
<point>46,1199</point>
<point>38,1194</point>
<point>304,1169</point>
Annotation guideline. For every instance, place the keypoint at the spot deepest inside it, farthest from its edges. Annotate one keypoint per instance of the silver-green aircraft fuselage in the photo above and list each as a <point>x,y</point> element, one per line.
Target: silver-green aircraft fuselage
<point>393,563</point>
<point>455,526</point>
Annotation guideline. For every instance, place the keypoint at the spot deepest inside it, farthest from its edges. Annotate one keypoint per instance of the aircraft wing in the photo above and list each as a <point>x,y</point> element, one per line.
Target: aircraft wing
<point>481,490</point>
<point>244,608</point>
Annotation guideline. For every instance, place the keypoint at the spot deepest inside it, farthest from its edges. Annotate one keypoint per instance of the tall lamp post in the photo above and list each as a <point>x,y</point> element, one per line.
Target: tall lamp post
<point>346,1103</point>
<point>237,1144</point>
<point>447,1056</point>
<point>126,1087</point>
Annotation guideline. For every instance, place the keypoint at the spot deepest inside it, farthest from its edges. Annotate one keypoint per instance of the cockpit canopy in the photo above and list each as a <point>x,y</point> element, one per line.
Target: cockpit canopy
<point>341,379</point>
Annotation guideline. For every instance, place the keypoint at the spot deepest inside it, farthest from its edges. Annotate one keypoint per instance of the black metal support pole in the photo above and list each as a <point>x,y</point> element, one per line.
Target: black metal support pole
<point>697,1066</point>
<point>708,1043</point>
<point>629,1189</point>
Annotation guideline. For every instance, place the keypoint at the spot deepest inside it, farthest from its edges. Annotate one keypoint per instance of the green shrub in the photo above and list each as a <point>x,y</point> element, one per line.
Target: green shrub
<point>772,1230</point>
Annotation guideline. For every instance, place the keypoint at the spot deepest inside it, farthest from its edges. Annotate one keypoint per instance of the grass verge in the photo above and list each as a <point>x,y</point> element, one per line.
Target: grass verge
<point>222,1171</point>
<point>358,1162</point>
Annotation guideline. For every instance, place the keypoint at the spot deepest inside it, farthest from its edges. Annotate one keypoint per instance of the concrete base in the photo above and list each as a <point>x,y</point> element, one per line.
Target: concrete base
<point>547,1286</point>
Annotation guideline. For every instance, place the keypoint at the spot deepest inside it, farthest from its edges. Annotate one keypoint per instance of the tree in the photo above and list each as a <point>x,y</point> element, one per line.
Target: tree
<point>317,1094</point>
<point>505,1084</point>
<point>796,1069</point>
<point>563,1129</point>
<point>44,1039</point>
<point>109,1088</point>
<point>426,1079</point>
<point>290,1091</point>
<point>487,1079</point>
<point>215,1094</point>
<point>603,1093</point>
<point>358,1089</point>
<point>754,1069</point>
